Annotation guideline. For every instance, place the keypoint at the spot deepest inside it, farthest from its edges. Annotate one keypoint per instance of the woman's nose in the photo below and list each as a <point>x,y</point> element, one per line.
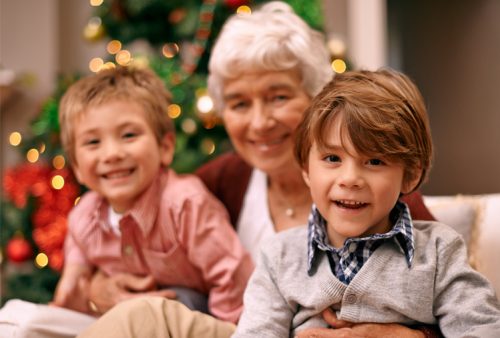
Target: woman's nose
<point>262,116</point>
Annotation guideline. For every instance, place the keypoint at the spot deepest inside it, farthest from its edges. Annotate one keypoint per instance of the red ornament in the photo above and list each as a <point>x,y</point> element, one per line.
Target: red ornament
<point>235,3</point>
<point>19,250</point>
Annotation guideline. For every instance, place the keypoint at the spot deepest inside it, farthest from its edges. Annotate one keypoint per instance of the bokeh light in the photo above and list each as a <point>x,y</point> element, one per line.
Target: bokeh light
<point>123,57</point>
<point>32,155</point>
<point>15,138</point>
<point>339,66</point>
<point>57,182</point>
<point>96,3</point>
<point>244,10</point>
<point>41,260</point>
<point>58,161</point>
<point>204,104</point>
<point>174,111</point>
<point>170,50</point>
<point>96,64</point>
<point>114,46</point>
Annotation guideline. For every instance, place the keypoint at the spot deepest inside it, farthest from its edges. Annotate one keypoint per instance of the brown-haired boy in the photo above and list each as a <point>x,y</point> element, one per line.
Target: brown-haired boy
<point>364,141</point>
<point>139,216</point>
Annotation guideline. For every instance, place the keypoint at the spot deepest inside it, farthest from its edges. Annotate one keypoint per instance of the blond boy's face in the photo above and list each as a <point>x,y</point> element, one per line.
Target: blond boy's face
<point>353,192</point>
<point>116,152</point>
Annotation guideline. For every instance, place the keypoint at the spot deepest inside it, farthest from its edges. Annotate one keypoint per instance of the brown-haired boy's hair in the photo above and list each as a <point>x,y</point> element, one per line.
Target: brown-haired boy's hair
<point>383,114</point>
<point>139,85</point>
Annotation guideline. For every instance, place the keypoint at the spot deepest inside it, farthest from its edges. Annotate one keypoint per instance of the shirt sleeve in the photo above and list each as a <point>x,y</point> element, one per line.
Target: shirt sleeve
<point>465,303</point>
<point>266,312</point>
<point>72,251</point>
<point>214,248</point>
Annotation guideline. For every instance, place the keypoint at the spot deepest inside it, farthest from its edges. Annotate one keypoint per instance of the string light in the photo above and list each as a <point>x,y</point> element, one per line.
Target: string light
<point>77,200</point>
<point>15,138</point>
<point>41,260</point>
<point>205,104</point>
<point>42,148</point>
<point>188,126</point>
<point>113,47</point>
<point>174,111</point>
<point>123,57</point>
<point>32,155</point>
<point>96,3</point>
<point>96,64</point>
<point>169,50</point>
<point>339,66</point>
<point>244,10</point>
<point>57,182</point>
<point>208,146</point>
<point>58,162</point>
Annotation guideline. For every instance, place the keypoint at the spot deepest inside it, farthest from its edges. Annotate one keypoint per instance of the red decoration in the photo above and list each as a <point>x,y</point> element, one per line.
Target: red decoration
<point>235,3</point>
<point>19,250</point>
<point>49,219</point>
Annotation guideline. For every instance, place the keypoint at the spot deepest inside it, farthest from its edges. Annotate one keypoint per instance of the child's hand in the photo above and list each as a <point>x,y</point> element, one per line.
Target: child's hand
<point>345,329</point>
<point>72,293</point>
<point>105,292</point>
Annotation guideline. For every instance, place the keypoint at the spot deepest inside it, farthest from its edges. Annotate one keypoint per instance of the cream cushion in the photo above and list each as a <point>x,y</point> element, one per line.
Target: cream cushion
<point>477,219</point>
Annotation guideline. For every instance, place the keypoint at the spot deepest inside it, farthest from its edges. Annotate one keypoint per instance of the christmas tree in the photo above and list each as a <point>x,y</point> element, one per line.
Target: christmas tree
<point>172,37</point>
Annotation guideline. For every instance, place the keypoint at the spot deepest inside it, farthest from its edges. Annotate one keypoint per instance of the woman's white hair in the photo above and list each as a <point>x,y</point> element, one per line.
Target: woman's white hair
<point>272,38</point>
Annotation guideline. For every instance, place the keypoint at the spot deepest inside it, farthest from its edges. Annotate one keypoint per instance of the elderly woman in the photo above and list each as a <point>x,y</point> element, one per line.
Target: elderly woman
<point>264,70</point>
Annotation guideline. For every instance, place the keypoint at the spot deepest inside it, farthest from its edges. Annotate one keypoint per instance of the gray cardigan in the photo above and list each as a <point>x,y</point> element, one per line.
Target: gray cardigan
<point>440,287</point>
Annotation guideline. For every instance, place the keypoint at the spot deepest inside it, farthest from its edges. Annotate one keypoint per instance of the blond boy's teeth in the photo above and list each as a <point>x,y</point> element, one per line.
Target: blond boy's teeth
<point>118,174</point>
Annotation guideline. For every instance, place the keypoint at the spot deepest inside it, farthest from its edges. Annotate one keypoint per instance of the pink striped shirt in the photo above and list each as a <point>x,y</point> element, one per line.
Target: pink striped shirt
<point>177,231</point>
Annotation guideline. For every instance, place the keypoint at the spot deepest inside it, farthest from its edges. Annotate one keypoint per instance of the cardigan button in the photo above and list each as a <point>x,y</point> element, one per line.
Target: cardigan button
<point>351,298</point>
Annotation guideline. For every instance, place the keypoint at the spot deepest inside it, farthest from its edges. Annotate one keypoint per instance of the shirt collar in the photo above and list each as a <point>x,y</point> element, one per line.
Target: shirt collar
<point>143,212</point>
<point>402,233</point>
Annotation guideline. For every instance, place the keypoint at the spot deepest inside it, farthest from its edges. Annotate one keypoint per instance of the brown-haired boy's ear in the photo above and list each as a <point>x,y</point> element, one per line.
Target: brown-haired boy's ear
<point>305,175</point>
<point>167,148</point>
<point>411,183</point>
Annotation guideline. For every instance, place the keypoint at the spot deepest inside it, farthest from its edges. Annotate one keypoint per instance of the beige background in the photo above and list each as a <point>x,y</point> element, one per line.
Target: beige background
<point>450,48</point>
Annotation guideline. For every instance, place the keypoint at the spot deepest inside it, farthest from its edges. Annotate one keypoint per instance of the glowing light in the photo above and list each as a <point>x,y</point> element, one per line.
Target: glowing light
<point>108,65</point>
<point>208,146</point>
<point>170,50</point>
<point>244,10</point>
<point>140,61</point>
<point>41,260</point>
<point>114,47</point>
<point>174,111</point>
<point>339,66</point>
<point>42,148</point>
<point>32,155</point>
<point>205,104</point>
<point>58,162</point>
<point>96,3</point>
<point>123,57</point>
<point>336,46</point>
<point>77,200</point>
<point>15,139</point>
<point>57,182</point>
<point>96,64</point>
<point>188,126</point>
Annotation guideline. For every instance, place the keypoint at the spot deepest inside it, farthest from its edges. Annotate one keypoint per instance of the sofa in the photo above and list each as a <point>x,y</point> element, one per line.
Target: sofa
<point>477,219</point>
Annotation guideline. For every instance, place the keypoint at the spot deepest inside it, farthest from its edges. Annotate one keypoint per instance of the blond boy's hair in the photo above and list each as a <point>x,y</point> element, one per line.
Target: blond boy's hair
<point>381,112</point>
<point>139,85</point>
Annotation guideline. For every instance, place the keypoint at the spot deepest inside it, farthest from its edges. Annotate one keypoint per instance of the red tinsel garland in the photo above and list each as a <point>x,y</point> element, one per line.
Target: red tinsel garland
<point>49,220</point>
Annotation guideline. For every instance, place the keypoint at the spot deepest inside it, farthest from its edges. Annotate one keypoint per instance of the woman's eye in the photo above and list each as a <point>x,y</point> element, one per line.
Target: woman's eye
<point>279,98</point>
<point>332,158</point>
<point>239,105</point>
<point>375,161</point>
<point>92,141</point>
<point>129,135</point>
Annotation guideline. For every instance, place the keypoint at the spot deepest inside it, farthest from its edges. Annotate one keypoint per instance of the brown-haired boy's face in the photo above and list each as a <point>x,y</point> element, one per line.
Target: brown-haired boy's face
<point>117,153</point>
<point>353,192</point>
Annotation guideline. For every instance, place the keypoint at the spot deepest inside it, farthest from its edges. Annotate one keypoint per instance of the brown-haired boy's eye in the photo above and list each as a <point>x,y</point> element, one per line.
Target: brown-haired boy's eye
<point>375,161</point>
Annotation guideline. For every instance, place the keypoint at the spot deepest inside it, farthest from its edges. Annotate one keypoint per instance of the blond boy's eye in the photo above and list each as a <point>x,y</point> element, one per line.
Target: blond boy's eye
<point>375,161</point>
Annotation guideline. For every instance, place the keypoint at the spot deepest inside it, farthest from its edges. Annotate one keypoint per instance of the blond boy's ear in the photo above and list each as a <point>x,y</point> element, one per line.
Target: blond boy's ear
<point>76,172</point>
<point>167,148</point>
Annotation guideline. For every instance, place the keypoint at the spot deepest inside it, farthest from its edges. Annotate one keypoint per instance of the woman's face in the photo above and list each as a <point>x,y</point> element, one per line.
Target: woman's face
<point>261,112</point>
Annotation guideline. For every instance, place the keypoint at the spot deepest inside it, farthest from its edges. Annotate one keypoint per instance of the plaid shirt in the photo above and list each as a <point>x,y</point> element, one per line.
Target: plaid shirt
<point>346,261</point>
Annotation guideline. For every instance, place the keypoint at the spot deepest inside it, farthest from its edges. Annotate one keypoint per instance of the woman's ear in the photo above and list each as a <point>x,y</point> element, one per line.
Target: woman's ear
<point>167,149</point>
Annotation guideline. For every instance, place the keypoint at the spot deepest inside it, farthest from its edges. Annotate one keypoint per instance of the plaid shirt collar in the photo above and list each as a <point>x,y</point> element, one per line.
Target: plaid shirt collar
<point>348,260</point>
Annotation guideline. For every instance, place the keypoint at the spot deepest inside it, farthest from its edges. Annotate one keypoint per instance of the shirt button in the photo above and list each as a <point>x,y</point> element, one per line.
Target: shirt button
<point>128,250</point>
<point>351,298</point>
